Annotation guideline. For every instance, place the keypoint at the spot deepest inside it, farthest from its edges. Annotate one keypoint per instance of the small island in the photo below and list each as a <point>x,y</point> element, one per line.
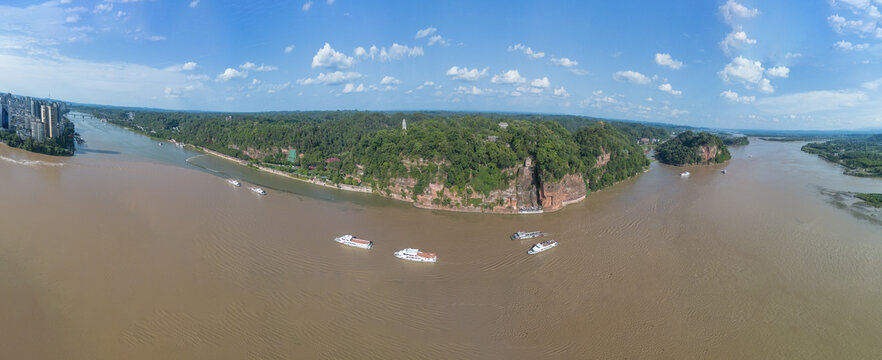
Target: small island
<point>736,141</point>
<point>874,200</point>
<point>689,148</point>
<point>860,156</point>
<point>36,125</point>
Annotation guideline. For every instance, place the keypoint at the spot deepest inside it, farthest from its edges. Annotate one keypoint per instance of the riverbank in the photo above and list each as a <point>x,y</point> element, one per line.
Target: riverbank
<point>314,181</point>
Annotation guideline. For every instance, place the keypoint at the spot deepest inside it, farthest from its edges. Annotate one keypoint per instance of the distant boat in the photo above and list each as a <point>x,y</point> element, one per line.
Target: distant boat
<point>684,174</point>
<point>540,247</point>
<point>520,235</point>
<point>234,182</point>
<point>258,190</point>
<point>416,255</point>
<point>353,241</point>
<point>724,171</point>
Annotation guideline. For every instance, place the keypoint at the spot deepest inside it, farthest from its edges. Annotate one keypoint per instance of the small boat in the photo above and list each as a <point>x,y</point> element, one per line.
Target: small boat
<point>540,247</point>
<point>520,235</point>
<point>416,255</point>
<point>353,241</point>
<point>234,182</point>
<point>684,174</point>
<point>724,171</point>
<point>258,190</point>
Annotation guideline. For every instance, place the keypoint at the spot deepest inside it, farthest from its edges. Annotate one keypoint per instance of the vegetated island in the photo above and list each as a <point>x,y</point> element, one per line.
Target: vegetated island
<point>454,161</point>
<point>860,156</point>
<point>874,200</point>
<point>736,141</point>
<point>692,148</point>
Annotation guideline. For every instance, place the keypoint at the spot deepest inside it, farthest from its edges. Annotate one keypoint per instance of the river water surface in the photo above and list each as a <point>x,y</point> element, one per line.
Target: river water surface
<point>131,250</point>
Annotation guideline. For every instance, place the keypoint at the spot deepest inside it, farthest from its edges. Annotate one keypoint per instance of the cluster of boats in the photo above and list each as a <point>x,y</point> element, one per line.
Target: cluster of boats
<point>253,188</point>
<point>538,247</point>
<point>418,255</point>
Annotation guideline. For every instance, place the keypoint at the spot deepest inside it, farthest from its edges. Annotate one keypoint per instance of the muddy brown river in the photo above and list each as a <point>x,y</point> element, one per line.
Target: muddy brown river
<point>131,250</point>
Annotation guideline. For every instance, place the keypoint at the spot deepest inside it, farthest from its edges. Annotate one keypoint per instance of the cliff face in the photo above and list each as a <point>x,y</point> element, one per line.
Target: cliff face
<point>707,152</point>
<point>555,195</point>
<point>527,191</point>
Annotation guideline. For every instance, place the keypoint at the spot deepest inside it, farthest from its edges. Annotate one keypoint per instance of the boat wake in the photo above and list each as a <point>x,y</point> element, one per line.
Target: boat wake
<point>30,162</point>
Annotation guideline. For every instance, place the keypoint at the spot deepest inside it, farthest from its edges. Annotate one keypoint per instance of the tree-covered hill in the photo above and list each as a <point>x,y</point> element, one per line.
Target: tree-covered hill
<point>692,148</point>
<point>862,156</point>
<point>468,154</point>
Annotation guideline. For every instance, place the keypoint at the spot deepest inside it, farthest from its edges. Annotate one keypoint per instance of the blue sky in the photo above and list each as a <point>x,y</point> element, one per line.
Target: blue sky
<point>735,64</point>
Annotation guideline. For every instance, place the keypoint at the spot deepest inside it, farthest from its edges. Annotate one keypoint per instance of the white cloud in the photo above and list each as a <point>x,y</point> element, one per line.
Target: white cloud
<point>561,92</point>
<point>251,66</point>
<point>733,97</point>
<point>669,89</point>
<point>632,77</point>
<point>396,52</point>
<point>766,86</point>
<point>334,78</point>
<point>732,9</point>
<point>70,19</point>
<point>508,77</point>
<point>194,3</point>
<point>848,46</point>
<point>351,88</point>
<point>678,112</point>
<point>735,39</point>
<point>329,58</point>
<point>330,2</point>
<point>872,85</point>
<point>230,74</point>
<point>463,73</point>
<point>120,13</point>
<point>748,72</point>
<point>174,93</point>
<point>306,6</point>
<point>103,7</point>
<point>65,1</point>
<point>425,32</point>
<point>565,62</point>
<point>276,88</point>
<point>841,25</point>
<point>156,38</point>
<point>437,39</point>
<point>426,84</point>
<point>389,80</point>
<point>811,101</point>
<point>541,83</point>
<point>187,66</point>
<point>778,71</point>
<point>289,49</point>
<point>667,60</point>
<point>473,90</point>
<point>528,51</point>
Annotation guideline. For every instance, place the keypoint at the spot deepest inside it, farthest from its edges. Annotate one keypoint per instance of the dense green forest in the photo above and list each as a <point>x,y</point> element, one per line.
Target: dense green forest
<point>862,156</point>
<point>685,149</point>
<point>59,146</point>
<point>736,141</point>
<point>464,152</point>
<point>874,200</point>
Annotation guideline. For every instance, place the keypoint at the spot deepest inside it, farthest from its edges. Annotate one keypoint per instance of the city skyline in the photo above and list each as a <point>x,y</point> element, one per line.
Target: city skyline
<point>725,64</point>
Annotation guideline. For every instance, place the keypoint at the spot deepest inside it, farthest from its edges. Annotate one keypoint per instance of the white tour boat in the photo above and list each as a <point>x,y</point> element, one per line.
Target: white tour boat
<point>258,190</point>
<point>540,247</point>
<point>354,241</point>
<point>684,174</point>
<point>234,182</point>
<point>416,255</point>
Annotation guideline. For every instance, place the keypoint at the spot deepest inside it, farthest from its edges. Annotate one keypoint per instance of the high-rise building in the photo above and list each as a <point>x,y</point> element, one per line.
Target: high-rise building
<point>37,130</point>
<point>49,118</point>
<point>4,117</point>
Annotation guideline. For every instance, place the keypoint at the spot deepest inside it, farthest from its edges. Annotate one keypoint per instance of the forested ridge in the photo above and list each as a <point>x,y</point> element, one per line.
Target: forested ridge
<point>463,152</point>
<point>862,156</point>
